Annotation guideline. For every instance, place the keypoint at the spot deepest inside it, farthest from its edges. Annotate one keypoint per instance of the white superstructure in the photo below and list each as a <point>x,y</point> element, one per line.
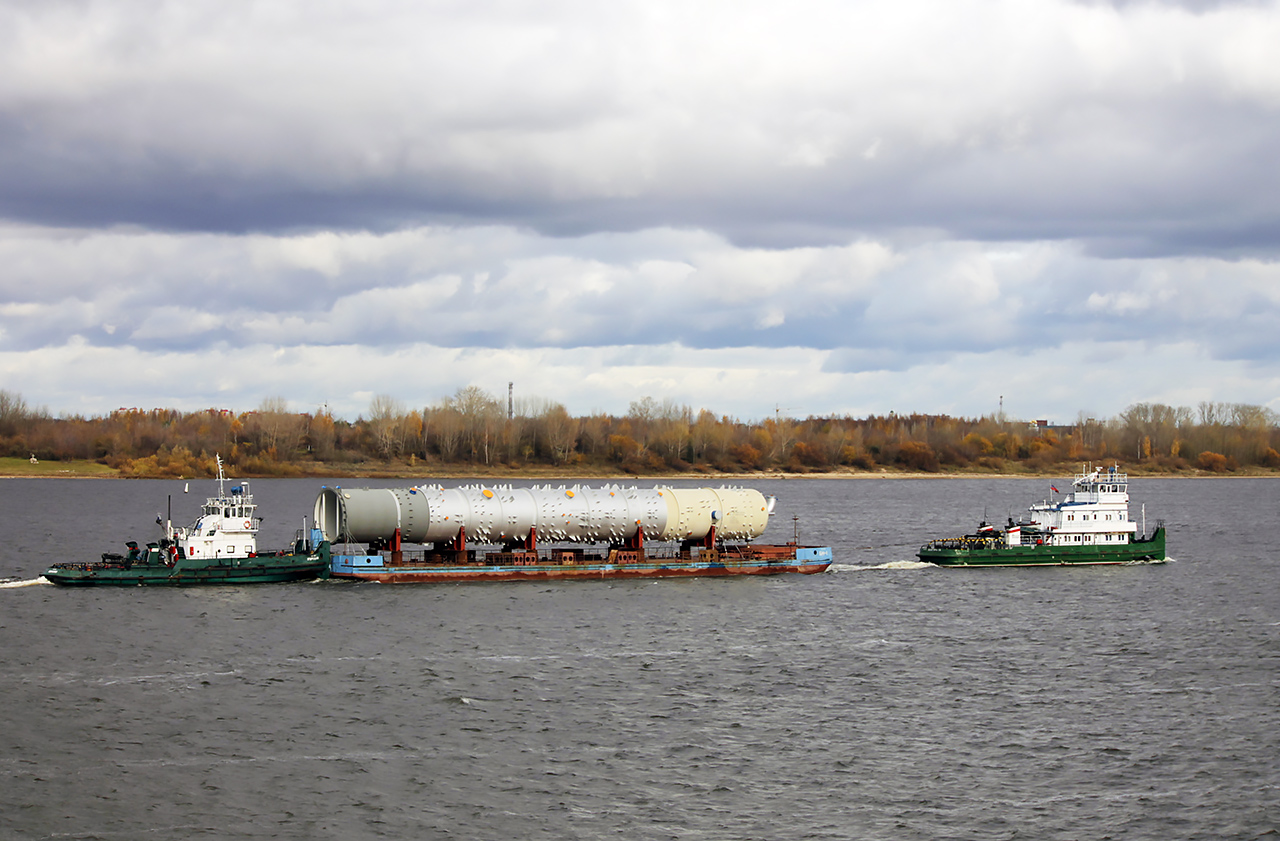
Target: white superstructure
<point>1096,512</point>
<point>227,526</point>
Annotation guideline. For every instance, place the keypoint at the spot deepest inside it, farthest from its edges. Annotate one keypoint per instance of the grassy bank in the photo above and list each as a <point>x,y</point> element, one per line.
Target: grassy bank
<point>22,467</point>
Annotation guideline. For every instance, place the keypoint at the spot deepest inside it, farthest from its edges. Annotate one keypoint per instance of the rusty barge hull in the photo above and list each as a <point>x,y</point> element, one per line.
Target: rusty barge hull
<point>754,560</point>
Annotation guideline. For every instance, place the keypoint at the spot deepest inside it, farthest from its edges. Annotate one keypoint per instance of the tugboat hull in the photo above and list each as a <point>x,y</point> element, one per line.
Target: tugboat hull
<point>258,570</point>
<point>1150,550</point>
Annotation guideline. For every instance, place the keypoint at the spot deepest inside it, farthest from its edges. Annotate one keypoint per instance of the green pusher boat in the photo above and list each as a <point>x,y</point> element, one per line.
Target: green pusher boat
<point>219,548</point>
<point>1091,525</point>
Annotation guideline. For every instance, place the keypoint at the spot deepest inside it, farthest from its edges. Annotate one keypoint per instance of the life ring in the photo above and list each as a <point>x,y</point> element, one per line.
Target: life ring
<point>248,524</point>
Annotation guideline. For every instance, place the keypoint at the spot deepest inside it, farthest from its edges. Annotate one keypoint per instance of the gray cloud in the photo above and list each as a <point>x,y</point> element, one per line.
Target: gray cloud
<point>1137,130</point>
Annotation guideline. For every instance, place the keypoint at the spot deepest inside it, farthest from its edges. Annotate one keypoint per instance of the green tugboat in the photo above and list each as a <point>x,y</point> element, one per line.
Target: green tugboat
<point>219,548</point>
<point>1090,526</point>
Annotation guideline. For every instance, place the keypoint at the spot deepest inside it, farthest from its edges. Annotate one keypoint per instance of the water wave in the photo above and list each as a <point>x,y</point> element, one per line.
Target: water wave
<point>889,565</point>
<point>14,583</point>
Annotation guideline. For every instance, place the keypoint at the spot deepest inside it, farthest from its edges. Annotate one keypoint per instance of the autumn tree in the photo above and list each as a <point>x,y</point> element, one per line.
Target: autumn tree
<point>559,432</point>
<point>321,435</point>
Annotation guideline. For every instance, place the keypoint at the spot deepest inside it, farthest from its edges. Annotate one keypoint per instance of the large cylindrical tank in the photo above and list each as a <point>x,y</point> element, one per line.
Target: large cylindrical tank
<point>503,514</point>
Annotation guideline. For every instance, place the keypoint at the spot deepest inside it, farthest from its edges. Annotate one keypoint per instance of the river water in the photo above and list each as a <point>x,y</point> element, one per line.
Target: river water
<point>884,699</point>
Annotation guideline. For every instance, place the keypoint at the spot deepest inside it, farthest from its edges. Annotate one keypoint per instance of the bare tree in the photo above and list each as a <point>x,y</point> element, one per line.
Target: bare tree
<point>276,430</point>
<point>386,423</point>
<point>13,411</point>
<point>481,417</point>
<point>442,428</point>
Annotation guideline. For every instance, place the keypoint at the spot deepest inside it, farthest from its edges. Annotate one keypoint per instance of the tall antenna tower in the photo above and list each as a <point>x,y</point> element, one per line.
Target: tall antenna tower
<point>511,400</point>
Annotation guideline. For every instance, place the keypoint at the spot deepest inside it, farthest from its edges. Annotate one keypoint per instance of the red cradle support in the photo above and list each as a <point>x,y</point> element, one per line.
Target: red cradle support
<point>636,541</point>
<point>396,547</point>
<point>703,543</point>
<point>459,543</point>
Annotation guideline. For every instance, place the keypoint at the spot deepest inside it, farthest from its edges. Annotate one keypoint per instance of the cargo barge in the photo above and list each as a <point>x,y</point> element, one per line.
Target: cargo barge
<point>1091,525</point>
<point>502,533</point>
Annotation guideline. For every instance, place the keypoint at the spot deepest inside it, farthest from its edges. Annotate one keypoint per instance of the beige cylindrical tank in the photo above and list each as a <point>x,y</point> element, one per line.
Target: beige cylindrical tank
<point>736,513</point>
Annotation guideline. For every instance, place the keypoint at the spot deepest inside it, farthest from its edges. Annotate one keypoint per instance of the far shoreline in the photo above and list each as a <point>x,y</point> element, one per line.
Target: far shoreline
<point>368,471</point>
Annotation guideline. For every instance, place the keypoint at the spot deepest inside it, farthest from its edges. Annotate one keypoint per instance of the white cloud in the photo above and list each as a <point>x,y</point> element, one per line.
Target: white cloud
<point>744,382</point>
<point>585,322</point>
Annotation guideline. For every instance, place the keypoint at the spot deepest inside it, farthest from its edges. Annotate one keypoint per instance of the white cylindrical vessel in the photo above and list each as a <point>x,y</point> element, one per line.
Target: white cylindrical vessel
<point>503,514</point>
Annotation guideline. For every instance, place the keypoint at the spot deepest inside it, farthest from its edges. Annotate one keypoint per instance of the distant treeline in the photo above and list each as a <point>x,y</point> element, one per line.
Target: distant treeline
<point>474,429</point>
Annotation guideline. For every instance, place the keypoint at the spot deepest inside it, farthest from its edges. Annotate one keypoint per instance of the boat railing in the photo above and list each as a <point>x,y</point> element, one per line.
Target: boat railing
<point>493,556</point>
<point>966,542</point>
<point>1147,538</point>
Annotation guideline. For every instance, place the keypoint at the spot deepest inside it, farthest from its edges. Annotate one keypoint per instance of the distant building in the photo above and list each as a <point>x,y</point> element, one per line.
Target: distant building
<point>1039,427</point>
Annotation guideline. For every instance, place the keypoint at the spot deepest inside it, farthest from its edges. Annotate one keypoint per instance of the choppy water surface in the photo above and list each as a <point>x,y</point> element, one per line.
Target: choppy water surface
<point>882,700</point>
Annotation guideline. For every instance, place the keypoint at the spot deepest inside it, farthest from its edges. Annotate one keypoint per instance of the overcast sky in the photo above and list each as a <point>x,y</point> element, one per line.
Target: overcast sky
<point>813,208</point>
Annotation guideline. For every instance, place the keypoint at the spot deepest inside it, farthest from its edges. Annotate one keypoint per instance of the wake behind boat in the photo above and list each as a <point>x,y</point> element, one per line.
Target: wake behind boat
<point>1091,525</point>
<point>220,547</point>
